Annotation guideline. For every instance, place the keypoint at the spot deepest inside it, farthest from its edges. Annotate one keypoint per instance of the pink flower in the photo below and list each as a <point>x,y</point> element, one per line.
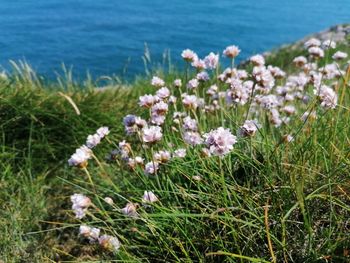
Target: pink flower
<point>231,51</point>
<point>257,60</point>
<point>211,61</point>
<point>151,168</point>
<point>157,82</point>
<point>192,84</point>
<point>163,93</point>
<point>220,141</point>
<point>149,197</point>
<point>189,55</point>
<point>152,134</point>
<point>179,153</point>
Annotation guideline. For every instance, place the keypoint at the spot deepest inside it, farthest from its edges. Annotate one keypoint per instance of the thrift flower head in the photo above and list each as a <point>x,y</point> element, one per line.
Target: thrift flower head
<point>152,134</point>
<point>151,168</point>
<point>147,100</point>
<point>163,93</point>
<point>312,42</point>
<point>130,210</point>
<point>91,233</point>
<point>211,61</point>
<point>108,200</point>
<point>249,128</point>
<point>80,204</point>
<point>190,101</point>
<point>179,153</point>
<point>316,52</point>
<point>80,157</point>
<point>339,55</point>
<point>109,243</point>
<point>220,141</point>
<point>327,96</point>
<point>327,44</point>
<point>199,64</point>
<point>257,60</point>
<point>231,51</point>
<point>149,197</point>
<point>162,156</point>
<point>93,140</point>
<point>102,132</point>
<point>177,83</point>
<point>157,82</point>
<point>190,124</point>
<point>189,55</point>
<point>192,138</point>
<point>300,61</point>
<point>192,84</point>
<point>202,76</point>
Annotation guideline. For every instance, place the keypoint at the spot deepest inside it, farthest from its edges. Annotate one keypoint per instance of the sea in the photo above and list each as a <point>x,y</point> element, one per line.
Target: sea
<point>108,37</point>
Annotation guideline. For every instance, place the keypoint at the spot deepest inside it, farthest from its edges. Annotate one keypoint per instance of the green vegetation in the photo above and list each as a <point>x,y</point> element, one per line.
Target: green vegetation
<point>267,201</point>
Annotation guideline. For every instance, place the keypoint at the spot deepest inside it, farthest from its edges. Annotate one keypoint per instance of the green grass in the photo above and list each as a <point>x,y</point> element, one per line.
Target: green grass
<point>265,200</point>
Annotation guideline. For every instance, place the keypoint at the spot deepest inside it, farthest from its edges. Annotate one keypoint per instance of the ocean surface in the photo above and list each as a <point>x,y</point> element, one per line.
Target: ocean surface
<point>107,37</point>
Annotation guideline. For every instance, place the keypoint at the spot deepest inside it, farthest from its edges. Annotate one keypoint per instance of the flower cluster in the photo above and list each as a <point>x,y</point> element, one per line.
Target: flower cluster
<point>84,153</point>
<point>181,118</point>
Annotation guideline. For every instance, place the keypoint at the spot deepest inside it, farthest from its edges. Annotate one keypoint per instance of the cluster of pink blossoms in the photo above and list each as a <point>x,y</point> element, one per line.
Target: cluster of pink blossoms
<point>178,115</point>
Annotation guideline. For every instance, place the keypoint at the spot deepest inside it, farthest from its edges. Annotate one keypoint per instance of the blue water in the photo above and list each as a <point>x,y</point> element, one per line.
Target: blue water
<point>107,36</point>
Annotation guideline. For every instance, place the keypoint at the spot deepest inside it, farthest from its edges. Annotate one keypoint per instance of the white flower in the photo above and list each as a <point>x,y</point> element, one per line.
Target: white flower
<point>177,83</point>
<point>289,109</point>
<point>157,119</point>
<point>179,153</point>
<point>257,60</point>
<point>80,204</point>
<point>149,197</point>
<point>192,84</point>
<point>263,77</point>
<point>102,132</point>
<point>91,233</point>
<point>192,138</point>
<point>220,141</point>
<point>327,44</point>
<point>327,96</point>
<point>151,167</point>
<point>231,51</point>
<point>147,100</point>
<point>130,210</point>
<point>316,52</point>
<point>237,95</point>
<point>339,55</point>
<point>190,124</point>
<point>163,93</point>
<point>162,156</point>
<point>80,157</point>
<point>160,108</point>
<point>93,140</point>
<point>312,42</point>
<point>190,101</point>
<point>152,134</point>
<point>157,82</point>
<point>211,61</point>
<point>199,64</point>
<point>108,200</point>
<point>203,76</point>
<point>189,55</point>
<point>276,72</point>
<point>300,61</point>
<point>249,128</point>
<point>109,242</point>
<point>268,102</point>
